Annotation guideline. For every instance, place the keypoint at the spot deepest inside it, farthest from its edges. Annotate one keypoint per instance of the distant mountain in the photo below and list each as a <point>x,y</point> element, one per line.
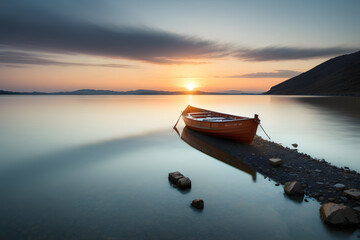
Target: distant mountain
<point>6,92</point>
<point>236,92</point>
<point>135,92</point>
<point>337,76</point>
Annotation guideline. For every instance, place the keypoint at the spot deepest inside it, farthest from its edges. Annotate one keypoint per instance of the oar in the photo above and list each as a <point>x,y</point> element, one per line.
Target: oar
<point>177,120</point>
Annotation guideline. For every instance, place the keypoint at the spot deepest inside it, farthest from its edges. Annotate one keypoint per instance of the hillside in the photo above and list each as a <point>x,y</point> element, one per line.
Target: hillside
<point>337,76</point>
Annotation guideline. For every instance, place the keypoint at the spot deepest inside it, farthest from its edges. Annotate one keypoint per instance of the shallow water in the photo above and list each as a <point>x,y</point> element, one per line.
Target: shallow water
<point>95,167</point>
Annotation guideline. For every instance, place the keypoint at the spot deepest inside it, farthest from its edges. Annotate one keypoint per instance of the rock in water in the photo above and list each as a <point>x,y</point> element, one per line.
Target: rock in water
<point>275,161</point>
<point>175,176</point>
<point>338,215</point>
<point>198,203</point>
<point>293,188</point>
<point>353,193</point>
<point>294,145</point>
<point>184,183</point>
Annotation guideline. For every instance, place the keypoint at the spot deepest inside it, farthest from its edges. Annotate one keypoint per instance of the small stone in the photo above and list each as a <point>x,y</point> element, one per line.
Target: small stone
<point>277,184</point>
<point>344,199</point>
<point>317,170</point>
<point>293,188</point>
<point>352,193</point>
<point>198,203</point>
<point>346,168</point>
<point>338,215</point>
<point>356,209</point>
<point>331,199</point>
<point>321,199</point>
<point>275,162</point>
<point>339,186</point>
<point>306,200</point>
<point>175,176</point>
<point>319,183</point>
<point>294,145</point>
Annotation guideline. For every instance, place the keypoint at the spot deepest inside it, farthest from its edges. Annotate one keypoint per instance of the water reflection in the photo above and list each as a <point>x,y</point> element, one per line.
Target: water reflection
<point>343,106</point>
<point>204,144</point>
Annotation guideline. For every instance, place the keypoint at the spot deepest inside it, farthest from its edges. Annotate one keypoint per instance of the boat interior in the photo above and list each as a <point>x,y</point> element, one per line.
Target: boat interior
<point>211,117</point>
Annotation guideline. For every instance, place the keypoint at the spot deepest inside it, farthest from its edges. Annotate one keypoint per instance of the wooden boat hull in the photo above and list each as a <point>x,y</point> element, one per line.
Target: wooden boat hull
<point>240,129</point>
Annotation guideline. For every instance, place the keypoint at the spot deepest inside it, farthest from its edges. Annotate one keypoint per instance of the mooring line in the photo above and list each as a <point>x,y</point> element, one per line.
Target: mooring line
<point>177,120</point>
<point>264,131</point>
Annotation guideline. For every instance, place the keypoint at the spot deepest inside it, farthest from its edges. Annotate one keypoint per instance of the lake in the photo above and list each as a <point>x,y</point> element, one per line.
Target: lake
<point>96,167</point>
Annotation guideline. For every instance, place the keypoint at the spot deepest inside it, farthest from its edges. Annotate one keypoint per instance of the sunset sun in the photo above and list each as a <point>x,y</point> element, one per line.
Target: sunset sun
<point>190,86</point>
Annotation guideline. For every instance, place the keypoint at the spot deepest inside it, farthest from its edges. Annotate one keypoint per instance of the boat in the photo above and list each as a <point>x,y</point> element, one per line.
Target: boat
<point>236,128</point>
<point>207,145</point>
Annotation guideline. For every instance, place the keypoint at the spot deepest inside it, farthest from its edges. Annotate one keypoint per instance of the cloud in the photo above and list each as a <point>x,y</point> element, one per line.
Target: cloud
<point>289,53</point>
<point>275,74</point>
<point>23,58</point>
<point>50,32</point>
<point>35,26</point>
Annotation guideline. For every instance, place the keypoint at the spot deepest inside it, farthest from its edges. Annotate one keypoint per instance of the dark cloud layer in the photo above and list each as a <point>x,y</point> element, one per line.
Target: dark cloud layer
<point>289,53</point>
<point>275,74</point>
<point>43,31</point>
<point>24,26</point>
<point>21,58</point>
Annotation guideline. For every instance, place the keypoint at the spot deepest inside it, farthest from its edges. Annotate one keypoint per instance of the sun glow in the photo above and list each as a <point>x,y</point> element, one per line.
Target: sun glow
<point>190,86</point>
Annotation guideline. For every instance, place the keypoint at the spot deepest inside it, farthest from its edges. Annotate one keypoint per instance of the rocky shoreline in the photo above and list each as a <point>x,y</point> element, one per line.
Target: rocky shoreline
<point>320,180</point>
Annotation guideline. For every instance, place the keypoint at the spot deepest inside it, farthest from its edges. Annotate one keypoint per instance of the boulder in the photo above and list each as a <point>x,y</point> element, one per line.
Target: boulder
<point>293,188</point>
<point>198,203</point>
<point>275,162</point>
<point>353,193</point>
<point>184,183</point>
<point>338,215</point>
<point>175,176</point>
<point>339,186</point>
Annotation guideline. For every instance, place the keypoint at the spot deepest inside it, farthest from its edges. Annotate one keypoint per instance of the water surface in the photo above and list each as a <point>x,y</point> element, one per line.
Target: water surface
<point>95,167</point>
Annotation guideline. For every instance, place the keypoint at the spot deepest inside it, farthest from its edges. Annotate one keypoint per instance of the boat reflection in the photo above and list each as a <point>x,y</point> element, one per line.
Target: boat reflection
<point>204,144</point>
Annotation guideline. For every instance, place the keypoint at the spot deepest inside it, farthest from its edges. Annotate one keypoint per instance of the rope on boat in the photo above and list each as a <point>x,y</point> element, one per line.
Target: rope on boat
<point>177,120</point>
<point>264,131</point>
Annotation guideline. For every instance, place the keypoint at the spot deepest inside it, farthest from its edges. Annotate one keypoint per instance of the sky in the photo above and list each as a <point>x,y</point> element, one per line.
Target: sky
<point>64,45</point>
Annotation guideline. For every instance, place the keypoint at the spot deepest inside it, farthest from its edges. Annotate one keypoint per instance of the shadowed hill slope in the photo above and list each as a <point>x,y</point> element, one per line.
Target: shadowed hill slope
<point>337,76</point>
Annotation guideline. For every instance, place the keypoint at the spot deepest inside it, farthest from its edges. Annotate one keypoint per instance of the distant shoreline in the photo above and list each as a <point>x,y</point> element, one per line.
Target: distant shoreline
<point>89,92</point>
<point>135,92</point>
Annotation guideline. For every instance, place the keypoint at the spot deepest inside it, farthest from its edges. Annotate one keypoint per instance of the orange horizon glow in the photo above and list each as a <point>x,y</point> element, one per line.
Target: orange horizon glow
<point>208,77</point>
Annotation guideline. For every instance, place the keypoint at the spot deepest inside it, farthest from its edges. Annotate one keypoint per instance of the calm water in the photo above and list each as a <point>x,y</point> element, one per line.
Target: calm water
<point>95,167</point>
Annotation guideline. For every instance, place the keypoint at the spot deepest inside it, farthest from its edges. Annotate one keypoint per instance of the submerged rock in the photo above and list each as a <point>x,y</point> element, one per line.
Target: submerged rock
<point>293,188</point>
<point>353,193</point>
<point>275,161</point>
<point>338,215</point>
<point>184,183</point>
<point>198,203</point>
<point>175,176</point>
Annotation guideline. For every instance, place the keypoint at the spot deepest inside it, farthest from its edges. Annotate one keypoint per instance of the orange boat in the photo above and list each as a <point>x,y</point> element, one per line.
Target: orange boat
<point>240,129</point>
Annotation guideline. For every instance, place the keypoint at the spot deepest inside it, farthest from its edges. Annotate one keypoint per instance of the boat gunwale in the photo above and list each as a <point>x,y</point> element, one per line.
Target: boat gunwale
<point>186,115</point>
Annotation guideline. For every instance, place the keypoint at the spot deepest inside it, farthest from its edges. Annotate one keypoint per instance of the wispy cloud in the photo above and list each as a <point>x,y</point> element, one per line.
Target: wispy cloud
<point>275,74</point>
<point>289,53</point>
<point>22,58</point>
